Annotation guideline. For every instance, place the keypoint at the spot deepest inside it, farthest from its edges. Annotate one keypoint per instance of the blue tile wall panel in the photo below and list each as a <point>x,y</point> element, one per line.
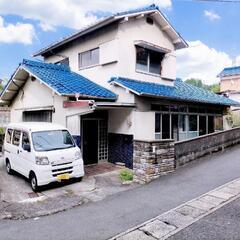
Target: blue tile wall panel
<point>121,149</point>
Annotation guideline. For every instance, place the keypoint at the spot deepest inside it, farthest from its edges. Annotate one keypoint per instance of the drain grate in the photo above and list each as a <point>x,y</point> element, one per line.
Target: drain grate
<point>33,195</point>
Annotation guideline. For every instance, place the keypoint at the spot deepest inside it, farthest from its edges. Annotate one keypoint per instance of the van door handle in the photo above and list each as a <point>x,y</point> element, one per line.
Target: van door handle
<point>17,151</point>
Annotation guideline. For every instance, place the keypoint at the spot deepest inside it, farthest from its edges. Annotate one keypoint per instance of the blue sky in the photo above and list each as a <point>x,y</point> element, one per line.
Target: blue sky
<point>209,27</point>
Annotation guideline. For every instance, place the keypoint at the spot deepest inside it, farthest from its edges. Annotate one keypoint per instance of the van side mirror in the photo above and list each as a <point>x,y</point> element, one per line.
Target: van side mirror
<point>26,147</point>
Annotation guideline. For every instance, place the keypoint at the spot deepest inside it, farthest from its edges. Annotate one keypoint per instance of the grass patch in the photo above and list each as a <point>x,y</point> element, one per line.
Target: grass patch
<point>126,175</point>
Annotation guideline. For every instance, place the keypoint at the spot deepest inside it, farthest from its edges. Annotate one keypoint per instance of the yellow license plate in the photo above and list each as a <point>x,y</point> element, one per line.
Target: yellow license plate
<point>64,176</point>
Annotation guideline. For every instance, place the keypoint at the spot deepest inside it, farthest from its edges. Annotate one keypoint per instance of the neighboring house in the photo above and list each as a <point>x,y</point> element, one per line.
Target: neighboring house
<point>230,84</point>
<point>112,83</point>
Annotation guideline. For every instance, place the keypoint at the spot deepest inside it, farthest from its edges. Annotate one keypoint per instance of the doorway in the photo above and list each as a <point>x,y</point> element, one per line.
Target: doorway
<point>90,141</point>
<point>94,133</point>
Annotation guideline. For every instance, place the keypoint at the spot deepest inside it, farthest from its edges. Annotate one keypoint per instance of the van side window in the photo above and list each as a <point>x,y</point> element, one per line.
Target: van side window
<point>16,137</point>
<point>25,139</point>
<point>9,135</point>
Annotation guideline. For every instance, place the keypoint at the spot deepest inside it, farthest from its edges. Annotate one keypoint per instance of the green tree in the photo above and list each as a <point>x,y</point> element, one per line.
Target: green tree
<point>199,83</point>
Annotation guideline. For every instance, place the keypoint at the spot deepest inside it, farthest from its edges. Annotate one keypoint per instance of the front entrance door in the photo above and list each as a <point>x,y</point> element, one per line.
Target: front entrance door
<point>90,141</point>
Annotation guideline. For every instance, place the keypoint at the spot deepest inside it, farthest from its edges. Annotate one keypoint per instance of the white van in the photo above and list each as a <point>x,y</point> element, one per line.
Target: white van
<point>42,152</point>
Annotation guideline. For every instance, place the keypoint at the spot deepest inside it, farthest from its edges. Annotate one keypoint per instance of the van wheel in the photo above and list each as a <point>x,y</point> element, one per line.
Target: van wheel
<point>33,182</point>
<point>9,168</point>
<point>79,179</point>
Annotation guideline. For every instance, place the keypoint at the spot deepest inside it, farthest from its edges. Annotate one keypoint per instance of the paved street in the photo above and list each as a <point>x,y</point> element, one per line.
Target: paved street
<point>224,224</point>
<point>119,212</point>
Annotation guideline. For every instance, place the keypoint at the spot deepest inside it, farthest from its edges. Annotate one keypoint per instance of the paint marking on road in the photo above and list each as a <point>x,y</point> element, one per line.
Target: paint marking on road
<point>169,223</point>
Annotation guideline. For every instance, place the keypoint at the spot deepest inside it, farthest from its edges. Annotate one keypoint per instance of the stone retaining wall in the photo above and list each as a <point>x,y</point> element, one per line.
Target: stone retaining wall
<point>186,151</point>
<point>152,159</point>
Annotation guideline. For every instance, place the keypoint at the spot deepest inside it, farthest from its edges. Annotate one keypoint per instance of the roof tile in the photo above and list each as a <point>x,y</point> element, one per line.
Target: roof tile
<point>180,91</point>
<point>61,79</point>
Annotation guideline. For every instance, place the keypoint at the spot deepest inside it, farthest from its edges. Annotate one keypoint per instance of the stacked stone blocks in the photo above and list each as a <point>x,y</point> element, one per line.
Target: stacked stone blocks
<point>152,159</point>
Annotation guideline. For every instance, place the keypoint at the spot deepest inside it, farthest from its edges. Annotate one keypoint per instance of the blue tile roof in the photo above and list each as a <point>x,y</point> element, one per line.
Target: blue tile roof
<point>230,71</point>
<point>65,82</point>
<point>180,91</point>
<point>142,9</point>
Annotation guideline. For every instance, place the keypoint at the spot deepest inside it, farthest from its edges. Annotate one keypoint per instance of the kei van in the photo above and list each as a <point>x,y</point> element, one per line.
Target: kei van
<point>42,152</point>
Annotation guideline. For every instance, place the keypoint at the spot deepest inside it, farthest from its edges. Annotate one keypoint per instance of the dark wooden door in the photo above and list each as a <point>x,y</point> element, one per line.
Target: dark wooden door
<point>90,141</point>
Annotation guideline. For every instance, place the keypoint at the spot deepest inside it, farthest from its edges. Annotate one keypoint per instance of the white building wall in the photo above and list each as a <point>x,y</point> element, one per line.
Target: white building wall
<point>118,58</point>
<point>135,30</point>
<point>121,121</point>
<point>100,74</point>
<point>118,53</point>
<point>37,95</point>
<point>144,125</point>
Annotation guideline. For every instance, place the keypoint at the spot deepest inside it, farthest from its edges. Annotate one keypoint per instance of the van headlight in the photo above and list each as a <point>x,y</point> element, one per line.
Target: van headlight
<point>77,155</point>
<point>42,161</point>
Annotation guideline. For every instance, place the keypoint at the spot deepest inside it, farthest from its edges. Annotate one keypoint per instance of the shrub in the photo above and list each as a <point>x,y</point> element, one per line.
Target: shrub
<point>2,131</point>
<point>126,175</point>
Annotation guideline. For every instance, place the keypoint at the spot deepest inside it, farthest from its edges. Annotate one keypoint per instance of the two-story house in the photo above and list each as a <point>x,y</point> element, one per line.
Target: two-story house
<point>112,83</point>
<point>230,84</point>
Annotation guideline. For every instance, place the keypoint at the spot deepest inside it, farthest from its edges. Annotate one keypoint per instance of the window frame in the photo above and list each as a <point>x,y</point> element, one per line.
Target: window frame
<point>16,130</point>
<point>148,62</point>
<point>28,139</point>
<point>80,67</point>
<point>11,135</point>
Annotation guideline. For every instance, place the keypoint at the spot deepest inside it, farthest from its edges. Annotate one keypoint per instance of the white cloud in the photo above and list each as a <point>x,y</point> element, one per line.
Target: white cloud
<point>70,13</point>
<point>18,33</point>
<point>236,62</point>
<point>202,62</point>
<point>211,15</point>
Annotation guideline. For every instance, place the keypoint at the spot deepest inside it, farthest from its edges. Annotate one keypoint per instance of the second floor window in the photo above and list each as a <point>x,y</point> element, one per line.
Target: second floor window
<point>149,61</point>
<point>64,61</point>
<point>88,58</point>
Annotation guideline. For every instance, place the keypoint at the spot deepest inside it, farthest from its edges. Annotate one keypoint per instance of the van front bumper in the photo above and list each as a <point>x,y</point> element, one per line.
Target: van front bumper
<point>49,173</point>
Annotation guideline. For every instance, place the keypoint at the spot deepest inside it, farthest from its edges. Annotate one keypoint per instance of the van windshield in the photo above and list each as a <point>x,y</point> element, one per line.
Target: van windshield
<point>52,140</point>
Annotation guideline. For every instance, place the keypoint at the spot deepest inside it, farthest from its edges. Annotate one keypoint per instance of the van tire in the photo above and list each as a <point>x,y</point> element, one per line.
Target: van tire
<point>79,179</point>
<point>33,182</point>
<point>8,167</point>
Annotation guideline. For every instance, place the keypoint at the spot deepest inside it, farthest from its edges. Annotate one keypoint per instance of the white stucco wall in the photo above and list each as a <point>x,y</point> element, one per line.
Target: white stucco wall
<point>118,58</point>
<point>118,52</point>
<point>37,95</point>
<point>120,121</point>
<point>144,125</point>
<point>135,30</point>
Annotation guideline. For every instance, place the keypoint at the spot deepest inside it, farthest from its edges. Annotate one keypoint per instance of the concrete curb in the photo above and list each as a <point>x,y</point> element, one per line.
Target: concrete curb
<point>169,223</point>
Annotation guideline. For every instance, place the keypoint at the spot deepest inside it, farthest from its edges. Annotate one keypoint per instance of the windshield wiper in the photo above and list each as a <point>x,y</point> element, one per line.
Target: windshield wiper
<point>52,149</point>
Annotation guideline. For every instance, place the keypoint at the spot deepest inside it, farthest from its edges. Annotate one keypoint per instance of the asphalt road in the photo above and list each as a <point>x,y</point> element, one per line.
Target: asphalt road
<point>117,213</point>
<point>224,224</point>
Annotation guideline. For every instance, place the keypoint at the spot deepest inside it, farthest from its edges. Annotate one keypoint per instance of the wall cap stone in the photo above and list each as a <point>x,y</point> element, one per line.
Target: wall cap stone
<point>154,140</point>
<point>207,135</point>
